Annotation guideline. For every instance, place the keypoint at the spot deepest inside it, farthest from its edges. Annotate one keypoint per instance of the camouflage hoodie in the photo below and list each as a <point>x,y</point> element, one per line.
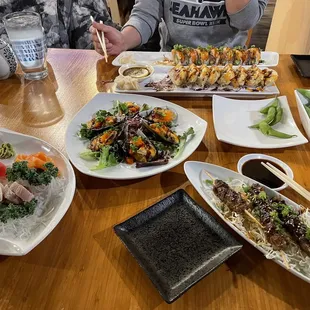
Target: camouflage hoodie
<point>66,22</point>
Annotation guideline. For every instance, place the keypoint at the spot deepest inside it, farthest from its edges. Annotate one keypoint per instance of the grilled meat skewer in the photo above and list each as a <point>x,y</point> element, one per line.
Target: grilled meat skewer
<point>293,224</point>
<point>236,203</point>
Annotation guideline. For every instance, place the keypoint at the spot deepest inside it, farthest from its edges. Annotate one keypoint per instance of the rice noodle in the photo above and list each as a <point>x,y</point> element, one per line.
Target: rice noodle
<point>23,228</point>
<point>293,257</point>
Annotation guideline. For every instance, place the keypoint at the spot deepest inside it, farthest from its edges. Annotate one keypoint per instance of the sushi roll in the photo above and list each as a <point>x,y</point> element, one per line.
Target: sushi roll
<point>178,75</point>
<point>179,55</point>
<point>240,77</point>
<point>203,76</point>
<point>270,76</point>
<point>255,77</point>
<point>226,56</point>
<point>203,55</point>
<point>214,75</point>
<point>251,56</point>
<point>237,60</point>
<point>254,55</point>
<point>214,55</point>
<point>227,75</point>
<point>193,56</point>
<point>193,74</point>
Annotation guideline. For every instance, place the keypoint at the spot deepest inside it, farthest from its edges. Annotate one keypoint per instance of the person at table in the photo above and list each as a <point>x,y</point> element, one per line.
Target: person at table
<point>65,23</point>
<point>186,22</point>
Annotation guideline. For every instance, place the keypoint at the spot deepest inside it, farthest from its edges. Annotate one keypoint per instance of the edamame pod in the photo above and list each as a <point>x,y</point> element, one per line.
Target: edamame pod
<point>271,116</point>
<point>278,117</point>
<point>274,103</point>
<point>269,131</point>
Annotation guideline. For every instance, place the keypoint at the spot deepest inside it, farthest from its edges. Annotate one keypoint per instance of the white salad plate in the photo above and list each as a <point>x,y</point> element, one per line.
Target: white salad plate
<point>56,208</point>
<point>270,59</point>
<point>305,119</point>
<point>195,173</point>
<point>162,72</point>
<point>232,119</point>
<point>75,145</point>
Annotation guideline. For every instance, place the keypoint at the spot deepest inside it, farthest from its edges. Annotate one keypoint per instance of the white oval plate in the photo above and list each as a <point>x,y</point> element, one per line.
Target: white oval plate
<point>74,145</point>
<point>28,145</point>
<point>193,169</point>
<point>232,119</point>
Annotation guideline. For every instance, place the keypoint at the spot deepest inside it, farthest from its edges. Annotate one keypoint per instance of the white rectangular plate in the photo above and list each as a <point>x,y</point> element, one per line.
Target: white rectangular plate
<point>193,172</point>
<point>29,145</point>
<point>75,145</point>
<point>271,59</point>
<point>305,120</point>
<point>232,119</point>
<point>161,72</point>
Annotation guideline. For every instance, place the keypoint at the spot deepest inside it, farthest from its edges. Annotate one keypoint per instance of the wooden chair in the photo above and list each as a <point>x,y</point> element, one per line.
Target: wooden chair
<point>113,5</point>
<point>250,32</point>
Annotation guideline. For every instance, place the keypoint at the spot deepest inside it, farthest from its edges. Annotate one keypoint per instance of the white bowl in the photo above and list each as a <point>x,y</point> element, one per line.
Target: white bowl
<point>305,120</point>
<point>128,66</point>
<point>284,166</point>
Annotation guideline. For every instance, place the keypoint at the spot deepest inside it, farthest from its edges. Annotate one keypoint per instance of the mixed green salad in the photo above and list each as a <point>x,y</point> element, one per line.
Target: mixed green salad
<point>132,134</point>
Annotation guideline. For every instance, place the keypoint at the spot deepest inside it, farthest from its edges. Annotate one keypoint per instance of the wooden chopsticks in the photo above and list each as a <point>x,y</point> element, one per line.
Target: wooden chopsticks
<point>101,40</point>
<point>286,179</point>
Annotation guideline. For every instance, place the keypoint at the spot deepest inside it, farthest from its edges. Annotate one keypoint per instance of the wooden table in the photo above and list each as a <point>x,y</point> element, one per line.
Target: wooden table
<point>82,264</point>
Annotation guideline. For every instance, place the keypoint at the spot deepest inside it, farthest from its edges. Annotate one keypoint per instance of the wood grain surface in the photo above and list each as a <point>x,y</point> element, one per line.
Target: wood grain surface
<point>82,264</point>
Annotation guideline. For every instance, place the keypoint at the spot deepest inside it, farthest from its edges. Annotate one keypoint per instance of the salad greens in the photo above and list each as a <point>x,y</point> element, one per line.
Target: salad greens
<point>183,140</point>
<point>20,171</point>
<point>107,158</point>
<point>14,211</point>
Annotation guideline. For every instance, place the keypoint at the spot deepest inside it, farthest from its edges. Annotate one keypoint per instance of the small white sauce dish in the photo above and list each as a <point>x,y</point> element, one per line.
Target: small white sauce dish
<point>271,159</point>
<point>305,120</point>
<point>123,68</point>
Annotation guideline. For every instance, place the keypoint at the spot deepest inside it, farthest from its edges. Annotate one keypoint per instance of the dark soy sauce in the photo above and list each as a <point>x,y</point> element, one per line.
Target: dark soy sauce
<point>256,171</point>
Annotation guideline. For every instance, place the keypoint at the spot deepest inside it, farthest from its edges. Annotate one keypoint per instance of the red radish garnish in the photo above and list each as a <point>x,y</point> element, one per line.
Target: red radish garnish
<point>2,170</point>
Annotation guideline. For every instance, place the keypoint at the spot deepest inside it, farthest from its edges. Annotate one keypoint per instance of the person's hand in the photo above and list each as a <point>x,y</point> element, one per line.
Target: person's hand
<point>114,39</point>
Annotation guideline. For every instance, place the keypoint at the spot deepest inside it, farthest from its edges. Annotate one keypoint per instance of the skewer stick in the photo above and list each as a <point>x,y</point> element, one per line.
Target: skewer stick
<point>284,260</point>
<point>100,41</point>
<point>245,211</point>
<point>253,219</point>
<point>105,47</point>
<point>209,175</point>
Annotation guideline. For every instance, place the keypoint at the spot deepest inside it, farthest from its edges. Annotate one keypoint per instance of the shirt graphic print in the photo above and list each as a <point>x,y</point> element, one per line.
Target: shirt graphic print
<point>198,13</point>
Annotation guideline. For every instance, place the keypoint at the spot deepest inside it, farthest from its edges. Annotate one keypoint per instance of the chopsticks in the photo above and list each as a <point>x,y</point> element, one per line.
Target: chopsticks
<point>286,179</point>
<point>101,40</point>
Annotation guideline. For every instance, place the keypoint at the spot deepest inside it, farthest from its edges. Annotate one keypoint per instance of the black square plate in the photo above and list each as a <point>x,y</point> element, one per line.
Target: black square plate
<point>302,63</point>
<point>177,243</point>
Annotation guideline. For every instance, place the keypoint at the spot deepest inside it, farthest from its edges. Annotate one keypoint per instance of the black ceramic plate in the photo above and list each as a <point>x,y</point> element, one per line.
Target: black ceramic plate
<point>177,243</point>
<point>302,63</point>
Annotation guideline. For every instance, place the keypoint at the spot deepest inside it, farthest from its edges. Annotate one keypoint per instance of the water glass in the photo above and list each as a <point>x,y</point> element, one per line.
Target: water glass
<point>26,34</point>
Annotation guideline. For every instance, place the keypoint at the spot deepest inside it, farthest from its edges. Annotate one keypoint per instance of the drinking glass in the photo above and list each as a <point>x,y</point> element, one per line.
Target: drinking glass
<point>26,34</point>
